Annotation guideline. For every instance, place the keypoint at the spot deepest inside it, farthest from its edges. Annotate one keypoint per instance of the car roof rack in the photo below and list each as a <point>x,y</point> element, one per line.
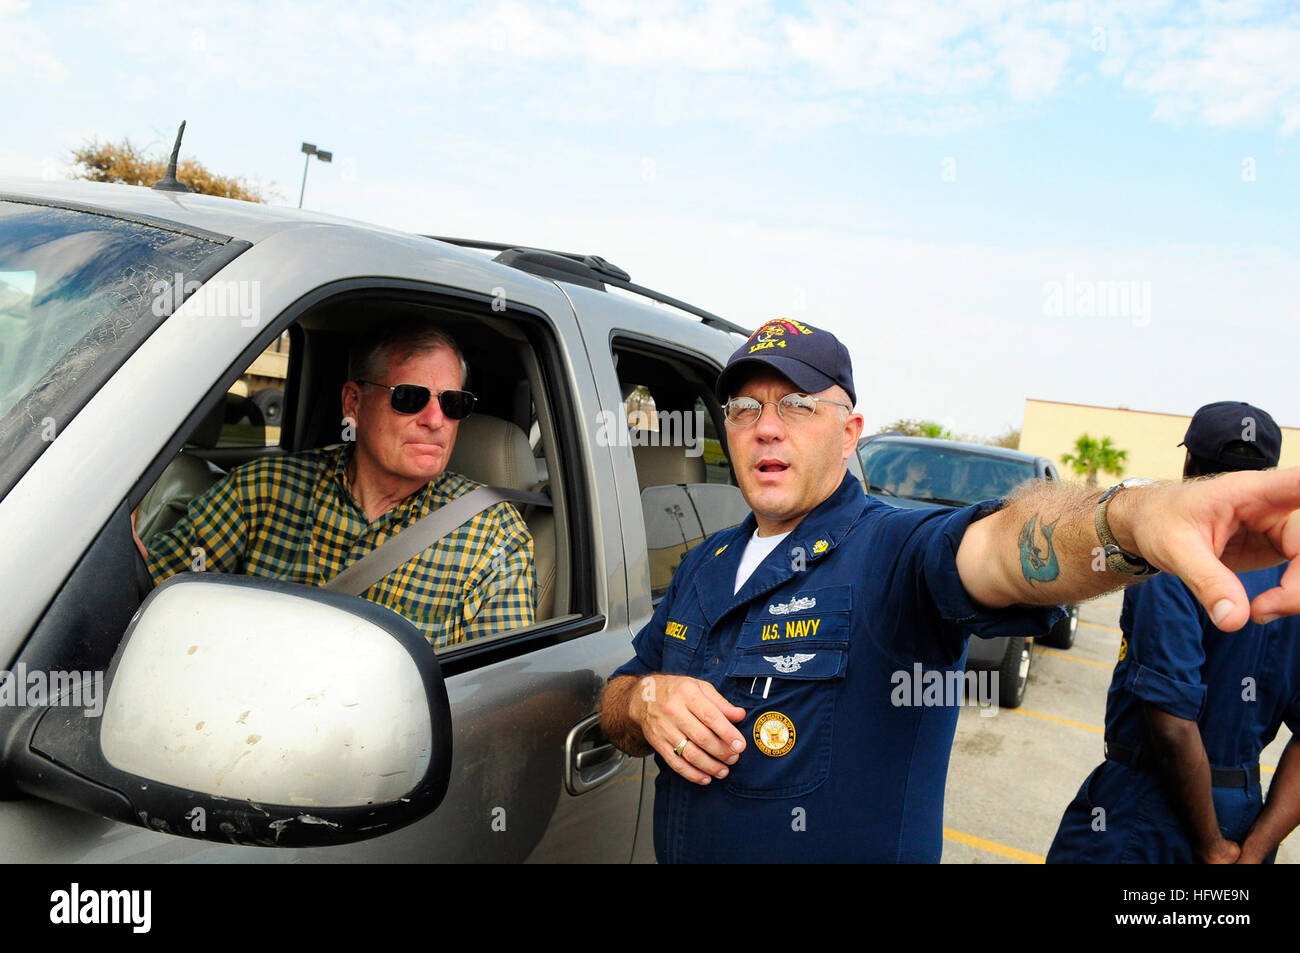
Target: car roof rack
<point>590,271</point>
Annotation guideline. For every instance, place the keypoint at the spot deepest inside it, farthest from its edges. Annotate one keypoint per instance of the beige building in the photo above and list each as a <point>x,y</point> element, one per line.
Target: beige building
<point>1151,439</point>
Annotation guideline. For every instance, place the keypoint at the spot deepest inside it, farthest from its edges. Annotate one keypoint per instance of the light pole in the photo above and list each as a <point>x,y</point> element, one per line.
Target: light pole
<point>311,150</point>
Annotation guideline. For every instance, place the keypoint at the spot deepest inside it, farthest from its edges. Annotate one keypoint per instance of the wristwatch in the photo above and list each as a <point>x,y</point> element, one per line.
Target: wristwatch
<point>1117,559</point>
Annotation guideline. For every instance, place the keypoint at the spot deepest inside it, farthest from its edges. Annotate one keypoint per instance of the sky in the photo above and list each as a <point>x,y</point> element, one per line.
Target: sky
<point>1092,202</point>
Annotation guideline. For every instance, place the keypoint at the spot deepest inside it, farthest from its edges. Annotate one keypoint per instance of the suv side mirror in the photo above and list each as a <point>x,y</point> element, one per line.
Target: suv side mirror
<point>249,711</point>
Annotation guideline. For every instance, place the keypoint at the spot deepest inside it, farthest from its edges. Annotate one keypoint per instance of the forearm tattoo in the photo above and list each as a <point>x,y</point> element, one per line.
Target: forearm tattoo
<point>1036,565</point>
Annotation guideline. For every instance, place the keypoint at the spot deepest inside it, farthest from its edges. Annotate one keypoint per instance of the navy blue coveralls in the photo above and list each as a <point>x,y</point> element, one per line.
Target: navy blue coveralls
<point>1238,686</point>
<point>844,760</point>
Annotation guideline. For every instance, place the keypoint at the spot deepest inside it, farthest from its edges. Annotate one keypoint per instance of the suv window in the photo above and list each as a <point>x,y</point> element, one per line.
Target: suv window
<point>943,474</point>
<point>492,447</point>
<point>688,490</point>
<point>717,468</point>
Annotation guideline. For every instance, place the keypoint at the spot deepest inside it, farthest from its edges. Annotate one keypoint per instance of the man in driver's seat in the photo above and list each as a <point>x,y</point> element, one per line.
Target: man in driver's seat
<point>305,517</point>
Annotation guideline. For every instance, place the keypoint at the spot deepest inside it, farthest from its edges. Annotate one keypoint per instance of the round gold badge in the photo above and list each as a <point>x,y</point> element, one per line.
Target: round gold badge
<point>774,734</point>
<point>1123,648</point>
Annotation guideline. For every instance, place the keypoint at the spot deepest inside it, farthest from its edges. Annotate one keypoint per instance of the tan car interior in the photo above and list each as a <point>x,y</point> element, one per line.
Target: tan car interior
<point>661,466</point>
<point>495,452</point>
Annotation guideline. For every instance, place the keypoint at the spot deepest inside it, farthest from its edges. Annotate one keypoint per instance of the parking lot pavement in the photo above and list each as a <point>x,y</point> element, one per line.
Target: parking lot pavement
<point>1012,774</point>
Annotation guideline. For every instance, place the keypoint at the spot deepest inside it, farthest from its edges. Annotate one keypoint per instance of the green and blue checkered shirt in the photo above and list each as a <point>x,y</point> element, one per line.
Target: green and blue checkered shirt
<point>293,517</point>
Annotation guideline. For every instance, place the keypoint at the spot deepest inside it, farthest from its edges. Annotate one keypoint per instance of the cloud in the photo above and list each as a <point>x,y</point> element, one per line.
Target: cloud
<point>1223,75</point>
<point>927,48</point>
<point>1032,59</point>
<point>24,47</point>
<point>894,65</point>
<point>889,66</point>
<point>22,165</point>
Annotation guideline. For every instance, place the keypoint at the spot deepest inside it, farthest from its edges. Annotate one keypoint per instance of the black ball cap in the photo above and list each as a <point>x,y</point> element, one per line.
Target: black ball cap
<point>1217,425</point>
<point>811,358</point>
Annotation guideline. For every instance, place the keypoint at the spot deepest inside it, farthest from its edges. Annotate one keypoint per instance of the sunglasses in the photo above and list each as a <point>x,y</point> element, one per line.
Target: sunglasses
<point>412,398</point>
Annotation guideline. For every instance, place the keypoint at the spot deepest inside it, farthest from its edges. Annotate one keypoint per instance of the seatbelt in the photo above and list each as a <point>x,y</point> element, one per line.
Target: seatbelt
<point>422,534</point>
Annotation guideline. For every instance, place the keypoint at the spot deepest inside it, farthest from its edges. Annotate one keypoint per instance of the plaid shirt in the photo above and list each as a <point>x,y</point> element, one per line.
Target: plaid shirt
<point>293,517</point>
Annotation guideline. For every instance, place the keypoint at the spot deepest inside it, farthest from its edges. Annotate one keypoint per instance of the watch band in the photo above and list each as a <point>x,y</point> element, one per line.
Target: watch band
<point>1117,559</point>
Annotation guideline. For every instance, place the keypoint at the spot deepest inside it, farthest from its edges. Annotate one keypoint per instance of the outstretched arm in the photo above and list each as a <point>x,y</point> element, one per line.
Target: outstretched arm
<point>1042,548</point>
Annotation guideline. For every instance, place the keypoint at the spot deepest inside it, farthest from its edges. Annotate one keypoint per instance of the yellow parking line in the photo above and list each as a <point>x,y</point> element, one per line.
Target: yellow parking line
<point>1079,724</point>
<point>1104,628</point>
<point>1074,658</point>
<point>1063,721</point>
<point>993,847</point>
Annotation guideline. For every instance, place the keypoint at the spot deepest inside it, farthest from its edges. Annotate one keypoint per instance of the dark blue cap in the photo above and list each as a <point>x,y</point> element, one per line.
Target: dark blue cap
<point>1224,422</point>
<point>811,358</point>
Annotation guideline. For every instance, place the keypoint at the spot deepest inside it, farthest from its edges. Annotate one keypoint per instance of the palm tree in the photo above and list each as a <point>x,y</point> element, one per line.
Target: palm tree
<point>1091,456</point>
<point>920,428</point>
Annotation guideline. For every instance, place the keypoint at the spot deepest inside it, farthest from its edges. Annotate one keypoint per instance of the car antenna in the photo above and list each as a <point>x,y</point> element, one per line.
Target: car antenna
<point>169,182</point>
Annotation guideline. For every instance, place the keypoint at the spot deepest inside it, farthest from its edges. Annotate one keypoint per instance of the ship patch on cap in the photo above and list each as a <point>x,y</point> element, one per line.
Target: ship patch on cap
<point>773,334</point>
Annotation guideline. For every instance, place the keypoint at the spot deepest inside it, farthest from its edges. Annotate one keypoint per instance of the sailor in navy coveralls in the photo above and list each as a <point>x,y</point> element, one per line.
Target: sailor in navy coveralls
<point>1191,707</point>
<point>766,684</point>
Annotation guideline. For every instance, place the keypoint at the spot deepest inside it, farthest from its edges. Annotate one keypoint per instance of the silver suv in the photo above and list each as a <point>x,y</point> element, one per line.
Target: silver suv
<point>217,715</point>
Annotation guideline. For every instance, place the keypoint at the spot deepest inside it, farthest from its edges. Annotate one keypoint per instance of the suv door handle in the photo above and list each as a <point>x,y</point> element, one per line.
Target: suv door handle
<point>590,760</point>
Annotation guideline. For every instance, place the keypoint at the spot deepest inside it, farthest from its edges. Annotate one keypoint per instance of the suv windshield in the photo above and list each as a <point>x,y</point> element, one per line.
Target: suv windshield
<point>78,292</point>
<point>942,474</point>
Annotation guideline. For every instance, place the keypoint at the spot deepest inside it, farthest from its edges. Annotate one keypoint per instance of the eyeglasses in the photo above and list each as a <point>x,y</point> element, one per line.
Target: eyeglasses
<point>792,408</point>
<point>412,398</point>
